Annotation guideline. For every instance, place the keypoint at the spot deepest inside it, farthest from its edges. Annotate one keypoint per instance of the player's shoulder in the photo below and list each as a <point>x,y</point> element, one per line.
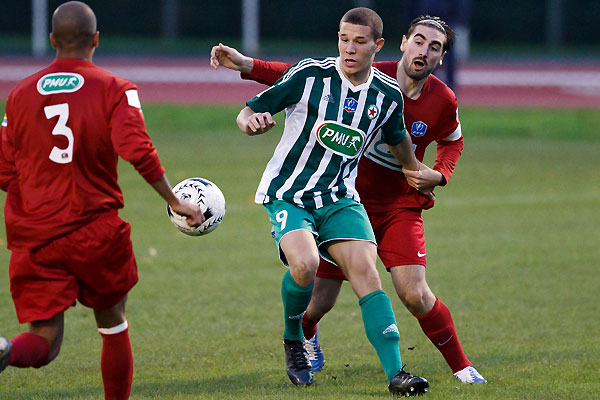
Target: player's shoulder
<point>311,66</point>
<point>29,83</point>
<point>437,89</point>
<point>389,68</point>
<point>108,78</point>
<point>386,84</point>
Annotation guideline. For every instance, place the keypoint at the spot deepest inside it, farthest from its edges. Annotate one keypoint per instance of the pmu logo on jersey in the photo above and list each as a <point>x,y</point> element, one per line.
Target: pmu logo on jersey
<point>418,129</point>
<point>343,140</point>
<point>5,121</point>
<point>350,104</point>
<point>59,82</point>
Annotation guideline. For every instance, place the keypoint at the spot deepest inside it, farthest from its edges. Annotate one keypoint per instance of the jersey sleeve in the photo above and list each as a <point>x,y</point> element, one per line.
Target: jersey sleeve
<point>449,148</point>
<point>130,139</point>
<point>7,161</point>
<point>447,155</point>
<point>393,130</point>
<point>285,92</point>
<point>266,72</point>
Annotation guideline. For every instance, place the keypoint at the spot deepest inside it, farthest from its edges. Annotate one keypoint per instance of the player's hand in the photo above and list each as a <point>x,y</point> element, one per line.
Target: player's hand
<point>259,123</point>
<point>192,212</point>
<point>229,57</point>
<point>429,194</point>
<point>424,180</point>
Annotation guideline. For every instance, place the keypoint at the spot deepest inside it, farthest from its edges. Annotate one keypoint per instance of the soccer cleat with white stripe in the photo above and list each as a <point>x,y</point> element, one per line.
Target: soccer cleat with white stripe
<point>5,347</point>
<point>469,375</point>
<point>315,354</point>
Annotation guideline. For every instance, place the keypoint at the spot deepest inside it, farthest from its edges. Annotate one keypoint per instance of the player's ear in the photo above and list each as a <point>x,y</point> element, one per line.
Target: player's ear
<point>52,40</point>
<point>379,44</point>
<point>96,39</point>
<point>442,57</point>
<point>403,43</point>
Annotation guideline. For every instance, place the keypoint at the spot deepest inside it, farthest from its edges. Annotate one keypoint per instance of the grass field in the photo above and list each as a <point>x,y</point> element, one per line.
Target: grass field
<point>513,250</point>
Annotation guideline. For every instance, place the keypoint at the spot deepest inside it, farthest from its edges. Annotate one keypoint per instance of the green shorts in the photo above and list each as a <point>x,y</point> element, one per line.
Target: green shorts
<point>345,219</point>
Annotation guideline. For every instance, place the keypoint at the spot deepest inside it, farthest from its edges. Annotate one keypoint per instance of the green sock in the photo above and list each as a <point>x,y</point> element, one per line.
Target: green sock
<point>382,331</point>
<point>295,300</point>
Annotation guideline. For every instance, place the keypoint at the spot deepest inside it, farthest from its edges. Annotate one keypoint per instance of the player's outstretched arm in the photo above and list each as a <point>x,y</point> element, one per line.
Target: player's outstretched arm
<point>253,123</point>
<point>229,57</point>
<point>191,211</point>
<point>265,72</point>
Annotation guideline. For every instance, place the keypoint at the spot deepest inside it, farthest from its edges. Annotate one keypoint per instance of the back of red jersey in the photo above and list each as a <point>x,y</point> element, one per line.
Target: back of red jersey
<point>65,128</point>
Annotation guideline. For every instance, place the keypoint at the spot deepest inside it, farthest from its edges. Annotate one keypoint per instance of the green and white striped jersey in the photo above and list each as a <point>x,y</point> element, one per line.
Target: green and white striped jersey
<point>328,122</point>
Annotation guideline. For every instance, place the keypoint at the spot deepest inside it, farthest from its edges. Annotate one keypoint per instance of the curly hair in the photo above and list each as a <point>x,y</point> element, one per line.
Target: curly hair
<point>436,23</point>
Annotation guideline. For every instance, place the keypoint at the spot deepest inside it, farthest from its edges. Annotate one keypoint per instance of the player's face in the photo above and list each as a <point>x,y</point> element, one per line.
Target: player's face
<point>357,50</point>
<point>423,51</point>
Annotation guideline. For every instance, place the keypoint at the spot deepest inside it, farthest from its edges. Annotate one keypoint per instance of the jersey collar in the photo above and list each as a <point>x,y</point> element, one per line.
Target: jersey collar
<point>345,80</point>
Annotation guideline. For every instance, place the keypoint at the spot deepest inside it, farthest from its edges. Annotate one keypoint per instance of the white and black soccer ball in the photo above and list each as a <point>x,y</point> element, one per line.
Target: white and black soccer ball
<point>205,194</point>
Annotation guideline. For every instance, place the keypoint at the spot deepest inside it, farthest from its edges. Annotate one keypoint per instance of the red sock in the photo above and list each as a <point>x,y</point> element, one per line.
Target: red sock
<point>309,326</point>
<point>438,326</point>
<point>29,350</point>
<point>116,364</point>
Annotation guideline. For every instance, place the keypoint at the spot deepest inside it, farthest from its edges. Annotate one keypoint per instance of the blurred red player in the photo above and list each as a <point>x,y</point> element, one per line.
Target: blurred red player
<point>64,130</point>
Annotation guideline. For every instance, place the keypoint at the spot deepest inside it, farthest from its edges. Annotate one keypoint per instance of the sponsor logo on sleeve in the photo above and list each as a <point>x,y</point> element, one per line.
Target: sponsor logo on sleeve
<point>5,121</point>
<point>59,82</point>
<point>343,140</point>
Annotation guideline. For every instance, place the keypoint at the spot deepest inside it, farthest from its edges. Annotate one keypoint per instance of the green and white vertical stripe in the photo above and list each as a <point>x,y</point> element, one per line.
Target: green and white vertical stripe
<point>303,170</point>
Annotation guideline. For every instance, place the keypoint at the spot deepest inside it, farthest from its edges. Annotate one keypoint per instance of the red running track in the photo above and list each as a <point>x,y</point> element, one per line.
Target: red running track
<point>485,84</point>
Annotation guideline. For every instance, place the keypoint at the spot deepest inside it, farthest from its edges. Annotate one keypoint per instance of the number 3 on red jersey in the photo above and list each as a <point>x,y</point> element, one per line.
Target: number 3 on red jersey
<point>61,156</point>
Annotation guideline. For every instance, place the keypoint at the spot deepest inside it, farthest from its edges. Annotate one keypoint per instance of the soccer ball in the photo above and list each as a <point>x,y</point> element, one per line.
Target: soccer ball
<point>205,194</point>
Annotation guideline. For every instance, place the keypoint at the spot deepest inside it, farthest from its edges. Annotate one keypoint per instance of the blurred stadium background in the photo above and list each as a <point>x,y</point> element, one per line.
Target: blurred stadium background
<point>511,53</point>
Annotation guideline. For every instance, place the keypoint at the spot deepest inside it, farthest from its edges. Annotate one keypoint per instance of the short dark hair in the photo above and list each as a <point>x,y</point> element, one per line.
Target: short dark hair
<point>73,25</point>
<point>366,17</point>
<point>436,23</point>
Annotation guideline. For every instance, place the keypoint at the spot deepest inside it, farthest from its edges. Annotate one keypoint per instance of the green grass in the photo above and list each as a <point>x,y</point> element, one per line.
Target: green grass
<point>512,250</point>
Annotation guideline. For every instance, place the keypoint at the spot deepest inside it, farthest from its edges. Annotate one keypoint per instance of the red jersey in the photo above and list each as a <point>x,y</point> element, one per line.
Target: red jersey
<point>64,129</point>
<point>431,117</point>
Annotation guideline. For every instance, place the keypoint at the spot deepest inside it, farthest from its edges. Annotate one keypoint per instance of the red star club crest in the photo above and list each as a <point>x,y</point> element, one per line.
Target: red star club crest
<point>372,111</point>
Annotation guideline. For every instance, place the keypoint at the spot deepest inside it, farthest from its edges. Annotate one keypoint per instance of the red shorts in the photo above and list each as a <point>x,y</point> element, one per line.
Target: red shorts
<point>400,241</point>
<point>94,264</point>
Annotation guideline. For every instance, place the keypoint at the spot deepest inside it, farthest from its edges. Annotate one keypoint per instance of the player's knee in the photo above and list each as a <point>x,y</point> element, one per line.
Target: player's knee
<point>413,299</point>
<point>304,267</point>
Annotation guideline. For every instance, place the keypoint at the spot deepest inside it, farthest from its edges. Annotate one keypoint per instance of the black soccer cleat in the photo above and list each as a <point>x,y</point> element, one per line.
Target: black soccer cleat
<point>404,384</point>
<point>297,363</point>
